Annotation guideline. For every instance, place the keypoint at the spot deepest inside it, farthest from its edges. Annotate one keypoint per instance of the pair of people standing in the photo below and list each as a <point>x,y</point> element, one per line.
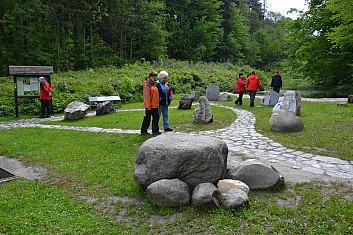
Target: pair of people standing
<point>157,96</point>
<point>252,83</point>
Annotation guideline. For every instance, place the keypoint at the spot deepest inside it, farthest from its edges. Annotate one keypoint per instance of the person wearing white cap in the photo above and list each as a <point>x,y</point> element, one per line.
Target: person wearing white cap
<point>45,97</point>
<point>165,98</point>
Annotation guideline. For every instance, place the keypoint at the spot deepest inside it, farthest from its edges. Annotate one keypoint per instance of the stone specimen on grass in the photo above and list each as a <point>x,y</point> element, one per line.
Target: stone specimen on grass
<point>290,102</point>
<point>282,120</point>
<point>203,113</point>
<point>75,110</point>
<point>186,102</point>
<point>105,108</point>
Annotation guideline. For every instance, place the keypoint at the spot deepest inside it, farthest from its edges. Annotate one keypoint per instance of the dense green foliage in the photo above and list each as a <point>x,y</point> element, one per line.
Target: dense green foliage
<point>126,82</point>
<point>76,35</point>
<point>315,49</point>
<point>321,43</point>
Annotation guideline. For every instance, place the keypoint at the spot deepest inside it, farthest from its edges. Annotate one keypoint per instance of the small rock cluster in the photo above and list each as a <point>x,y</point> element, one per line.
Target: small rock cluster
<point>179,169</point>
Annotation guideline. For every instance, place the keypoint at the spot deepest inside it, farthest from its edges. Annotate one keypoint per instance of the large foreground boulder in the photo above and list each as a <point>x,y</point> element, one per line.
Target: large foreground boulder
<point>167,192</point>
<point>192,159</point>
<point>257,175</point>
<point>282,120</point>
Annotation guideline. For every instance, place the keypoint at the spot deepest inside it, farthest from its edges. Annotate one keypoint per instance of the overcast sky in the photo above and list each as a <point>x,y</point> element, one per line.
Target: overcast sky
<point>284,5</point>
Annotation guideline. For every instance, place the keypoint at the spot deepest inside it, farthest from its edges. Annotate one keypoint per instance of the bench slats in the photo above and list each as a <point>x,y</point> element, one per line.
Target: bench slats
<point>95,99</point>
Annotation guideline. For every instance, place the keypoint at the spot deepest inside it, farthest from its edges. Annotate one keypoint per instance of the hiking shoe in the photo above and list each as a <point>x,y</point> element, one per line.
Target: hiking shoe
<point>157,133</point>
<point>168,129</point>
<point>145,133</point>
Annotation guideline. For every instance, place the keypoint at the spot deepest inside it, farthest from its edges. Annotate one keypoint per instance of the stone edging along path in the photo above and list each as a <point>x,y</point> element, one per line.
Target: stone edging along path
<point>243,142</point>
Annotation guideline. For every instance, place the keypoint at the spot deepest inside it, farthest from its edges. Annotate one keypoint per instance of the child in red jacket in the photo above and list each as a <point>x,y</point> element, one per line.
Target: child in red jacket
<point>240,89</point>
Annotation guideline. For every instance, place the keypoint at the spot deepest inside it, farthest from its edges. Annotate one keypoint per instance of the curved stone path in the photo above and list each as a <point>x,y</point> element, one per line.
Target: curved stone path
<point>244,143</point>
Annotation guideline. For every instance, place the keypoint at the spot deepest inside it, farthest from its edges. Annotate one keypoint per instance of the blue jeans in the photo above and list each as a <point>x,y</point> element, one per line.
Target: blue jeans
<point>252,98</point>
<point>163,109</point>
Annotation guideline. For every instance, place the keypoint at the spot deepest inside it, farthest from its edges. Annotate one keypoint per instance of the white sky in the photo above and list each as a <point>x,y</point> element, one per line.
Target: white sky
<point>284,5</point>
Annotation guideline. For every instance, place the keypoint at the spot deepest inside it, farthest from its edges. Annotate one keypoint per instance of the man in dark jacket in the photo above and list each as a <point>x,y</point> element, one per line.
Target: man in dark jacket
<point>165,97</point>
<point>276,82</point>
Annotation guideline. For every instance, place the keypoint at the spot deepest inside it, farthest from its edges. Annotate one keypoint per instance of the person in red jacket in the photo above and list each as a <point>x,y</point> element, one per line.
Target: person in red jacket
<point>240,89</point>
<point>45,97</point>
<point>151,100</point>
<point>253,85</point>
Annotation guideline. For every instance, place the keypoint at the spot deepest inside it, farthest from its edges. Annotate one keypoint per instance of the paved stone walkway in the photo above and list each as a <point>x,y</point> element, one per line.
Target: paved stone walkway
<point>243,141</point>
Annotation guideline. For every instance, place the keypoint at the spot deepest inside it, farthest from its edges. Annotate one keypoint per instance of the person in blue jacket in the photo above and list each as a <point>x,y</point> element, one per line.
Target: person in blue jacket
<point>165,98</point>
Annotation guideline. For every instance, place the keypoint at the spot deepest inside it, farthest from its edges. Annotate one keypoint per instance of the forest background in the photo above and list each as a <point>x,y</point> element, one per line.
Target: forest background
<point>83,35</point>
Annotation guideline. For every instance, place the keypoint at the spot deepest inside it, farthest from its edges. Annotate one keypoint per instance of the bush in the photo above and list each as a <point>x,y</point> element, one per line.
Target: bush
<point>126,82</point>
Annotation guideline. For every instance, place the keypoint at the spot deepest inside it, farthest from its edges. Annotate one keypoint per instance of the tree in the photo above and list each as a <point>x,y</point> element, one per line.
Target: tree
<point>236,45</point>
<point>342,34</point>
<point>194,27</point>
<point>314,51</point>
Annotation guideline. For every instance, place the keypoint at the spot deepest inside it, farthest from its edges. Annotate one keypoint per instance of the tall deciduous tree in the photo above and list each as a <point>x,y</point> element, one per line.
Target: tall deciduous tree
<point>313,49</point>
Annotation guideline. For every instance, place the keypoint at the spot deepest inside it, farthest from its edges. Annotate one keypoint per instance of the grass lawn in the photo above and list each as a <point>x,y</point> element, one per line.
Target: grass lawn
<point>90,187</point>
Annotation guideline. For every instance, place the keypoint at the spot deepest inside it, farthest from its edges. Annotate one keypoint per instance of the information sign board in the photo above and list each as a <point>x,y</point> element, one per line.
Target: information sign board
<point>27,86</point>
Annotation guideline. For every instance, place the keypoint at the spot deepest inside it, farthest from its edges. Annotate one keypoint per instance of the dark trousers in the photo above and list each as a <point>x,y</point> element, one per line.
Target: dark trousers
<point>252,98</point>
<point>147,120</point>
<point>45,106</point>
<point>276,89</point>
<point>239,101</point>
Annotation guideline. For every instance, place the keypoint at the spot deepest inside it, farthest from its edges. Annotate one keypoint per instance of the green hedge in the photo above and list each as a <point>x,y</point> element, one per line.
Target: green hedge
<point>127,83</point>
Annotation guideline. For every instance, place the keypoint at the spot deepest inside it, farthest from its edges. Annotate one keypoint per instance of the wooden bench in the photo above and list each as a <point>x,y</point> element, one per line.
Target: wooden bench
<point>94,100</point>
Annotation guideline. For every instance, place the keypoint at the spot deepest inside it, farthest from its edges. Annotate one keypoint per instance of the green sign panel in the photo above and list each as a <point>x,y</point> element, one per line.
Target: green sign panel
<point>27,86</point>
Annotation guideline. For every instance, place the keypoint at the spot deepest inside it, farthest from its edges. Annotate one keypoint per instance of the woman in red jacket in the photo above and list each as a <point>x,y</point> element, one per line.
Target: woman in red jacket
<point>240,89</point>
<point>45,97</point>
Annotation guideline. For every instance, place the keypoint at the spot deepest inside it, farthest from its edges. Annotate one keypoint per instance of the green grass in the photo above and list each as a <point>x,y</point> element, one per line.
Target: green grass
<point>180,120</point>
<point>328,129</point>
<point>88,172</point>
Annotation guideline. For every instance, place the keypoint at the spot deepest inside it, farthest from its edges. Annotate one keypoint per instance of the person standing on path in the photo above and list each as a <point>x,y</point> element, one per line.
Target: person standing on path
<point>276,82</point>
<point>240,89</point>
<point>151,102</point>
<point>45,98</point>
<point>165,98</point>
<point>253,85</point>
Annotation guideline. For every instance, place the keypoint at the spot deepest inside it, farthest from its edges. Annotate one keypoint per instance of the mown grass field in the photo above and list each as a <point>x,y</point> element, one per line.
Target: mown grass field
<point>90,188</point>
